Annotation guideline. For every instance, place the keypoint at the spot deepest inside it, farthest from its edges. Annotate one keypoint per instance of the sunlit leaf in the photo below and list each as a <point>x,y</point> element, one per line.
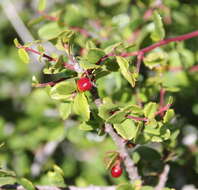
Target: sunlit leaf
<point>81,106</point>
<point>23,55</point>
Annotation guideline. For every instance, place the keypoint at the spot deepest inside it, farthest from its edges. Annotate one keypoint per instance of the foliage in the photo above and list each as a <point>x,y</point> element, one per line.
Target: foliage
<point>93,39</point>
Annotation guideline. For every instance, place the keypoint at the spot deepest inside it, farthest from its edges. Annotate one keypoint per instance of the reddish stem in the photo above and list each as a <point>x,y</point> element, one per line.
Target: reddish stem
<point>55,19</point>
<point>194,68</point>
<point>38,53</point>
<point>137,118</point>
<point>163,109</point>
<point>48,17</point>
<point>52,83</point>
<point>162,94</point>
<point>161,43</point>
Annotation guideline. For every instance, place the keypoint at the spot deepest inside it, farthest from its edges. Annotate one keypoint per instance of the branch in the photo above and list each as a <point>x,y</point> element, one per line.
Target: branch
<point>140,53</point>
<point>128,162</point>
<point>161,43</point>
<point>51,83</point>
<point>19,187</point>
<point>121,145</point>
<point>163,178</point>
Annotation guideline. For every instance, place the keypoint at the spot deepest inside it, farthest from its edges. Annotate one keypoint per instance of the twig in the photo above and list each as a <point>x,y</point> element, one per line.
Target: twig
<point>55,19</point>
<point>139,60</point>
<point>51,83</point>
<point>163,178</point>
<point>19,187</point>
<point>162,94</point>
<point>163,109</point>
<point>141,52</point>
<point>128,162</point>
<point>38,53</point>
<point>161,43</point>
<point>137,118</point>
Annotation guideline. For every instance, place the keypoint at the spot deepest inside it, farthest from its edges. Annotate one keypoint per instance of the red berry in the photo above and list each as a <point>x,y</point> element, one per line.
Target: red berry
<point>116,171</point>
<point>84,84</point>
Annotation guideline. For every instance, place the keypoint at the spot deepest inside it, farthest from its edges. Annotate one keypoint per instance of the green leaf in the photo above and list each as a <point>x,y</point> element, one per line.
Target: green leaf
<point>105,110</point>
<point>125,187</point>
<point>81,106</point>
<point>155,59</point>
<point>57,169</point>
<point>124,67</point>
<point>150,109</point>
<point>109,2</point>
<point>119,116</point>
<point>110,159</point>
<point>136,157</point>
<point>147,188</point>
<point>94,55</point>
<point>110,48</point>
<point>85,64</point>
<point>55,179</point>
<point>2,144</point>
<point>85,127</point>
<point>23,55</point>
<point>41,5</point>
<point>159,32</point>
<point>6,173</point>
<point>156,139</point>
<point>36,20</point>
<point>63,90</point>
<point>65,110</point>
<point>169,115</point>
<point>127,130</point>
<point>7,180</point>
<point>50,31</point>
<point>16,42</point>
<point>26,184</point>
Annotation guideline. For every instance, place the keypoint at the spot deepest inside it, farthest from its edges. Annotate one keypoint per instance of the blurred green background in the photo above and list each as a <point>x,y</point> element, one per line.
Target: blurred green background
<point>34,136</point>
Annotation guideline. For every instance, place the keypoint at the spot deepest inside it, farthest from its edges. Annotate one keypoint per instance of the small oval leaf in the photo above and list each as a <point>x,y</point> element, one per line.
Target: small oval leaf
<point>23,55</point>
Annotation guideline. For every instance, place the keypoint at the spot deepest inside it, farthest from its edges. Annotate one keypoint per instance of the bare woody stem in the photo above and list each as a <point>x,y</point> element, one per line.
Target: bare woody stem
<point>19,187</point>
<point>163,178</point>
<point>128,162</point>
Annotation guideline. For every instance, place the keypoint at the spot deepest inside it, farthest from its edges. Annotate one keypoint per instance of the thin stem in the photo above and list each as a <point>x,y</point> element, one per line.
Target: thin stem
<point>161,43</point>
<point>163,178</point>
<point>162,94</point>
<point>55,19</point>
<point>51,83</point>
<point>38,53</point>
<point>139,60</point>
<point>163,109</point>
<point>137,118</point>
<point>128,162</point>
